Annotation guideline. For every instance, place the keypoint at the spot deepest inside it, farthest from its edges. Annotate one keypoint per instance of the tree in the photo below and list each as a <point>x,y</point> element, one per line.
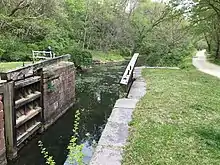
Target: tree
<point>204,16</point>
<point>123,26</point>
<point>145,18</point>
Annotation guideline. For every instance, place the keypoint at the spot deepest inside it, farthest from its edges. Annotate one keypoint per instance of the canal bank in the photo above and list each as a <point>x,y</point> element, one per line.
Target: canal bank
<point>114,137</point>
<point>96,92</point>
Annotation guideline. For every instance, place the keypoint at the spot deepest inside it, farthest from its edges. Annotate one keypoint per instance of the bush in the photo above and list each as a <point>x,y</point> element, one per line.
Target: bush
<point>12,49</point>
<point>201,45</point>
<point>125,52</point>
<point>161,54</point>
<point>80,57</point>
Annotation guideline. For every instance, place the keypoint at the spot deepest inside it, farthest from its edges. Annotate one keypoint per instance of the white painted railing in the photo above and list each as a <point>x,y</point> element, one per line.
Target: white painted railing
<point>42,55</point>
<point>128,74</point>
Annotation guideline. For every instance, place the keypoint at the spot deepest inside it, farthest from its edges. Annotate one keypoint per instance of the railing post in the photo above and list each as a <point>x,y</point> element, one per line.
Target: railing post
<point>3,160</point>
<point>11,144</point>
<point>33,56</point>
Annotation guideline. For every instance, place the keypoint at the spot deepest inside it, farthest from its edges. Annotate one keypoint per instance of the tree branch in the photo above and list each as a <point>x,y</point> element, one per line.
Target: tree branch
<point>19,7</point>
<point>217,10</point>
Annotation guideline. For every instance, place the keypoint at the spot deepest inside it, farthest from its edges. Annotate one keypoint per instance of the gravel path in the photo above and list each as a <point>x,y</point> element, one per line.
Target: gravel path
<point>201,63</point>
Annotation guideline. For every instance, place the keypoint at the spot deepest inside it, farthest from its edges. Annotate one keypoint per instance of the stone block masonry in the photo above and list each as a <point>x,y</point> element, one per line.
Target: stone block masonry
<point>114,137</point>
<point>2,137</point>
<point>59,90</point>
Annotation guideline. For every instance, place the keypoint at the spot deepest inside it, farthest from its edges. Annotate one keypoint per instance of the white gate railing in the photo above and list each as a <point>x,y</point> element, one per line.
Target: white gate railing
<point>42,55</point>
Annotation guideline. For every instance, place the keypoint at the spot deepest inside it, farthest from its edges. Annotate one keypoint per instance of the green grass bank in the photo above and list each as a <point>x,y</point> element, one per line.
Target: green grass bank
<point>177,122</point>
<point>5,66</point>
<point>103,57</point>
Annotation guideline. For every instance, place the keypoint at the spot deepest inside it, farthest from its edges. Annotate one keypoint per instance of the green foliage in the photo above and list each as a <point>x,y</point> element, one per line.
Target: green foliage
<point>11,49</point>
<point>78,27</point>
<point>159,54</point>
<point>75,155</point>
<point>163,37</point>
<point>201,44</point>
<point>112,56</point>
<point>125,52</point>
<point>187,60</point>
<point>75,151</point>
<point>204,16</point>
<point>80,57</point>
<point>47,157</point>
<point>50,86</point>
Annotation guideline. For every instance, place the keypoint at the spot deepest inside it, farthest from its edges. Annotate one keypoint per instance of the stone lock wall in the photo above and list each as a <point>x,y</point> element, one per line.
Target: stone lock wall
<point>2,137</point>
<point>59,90</point>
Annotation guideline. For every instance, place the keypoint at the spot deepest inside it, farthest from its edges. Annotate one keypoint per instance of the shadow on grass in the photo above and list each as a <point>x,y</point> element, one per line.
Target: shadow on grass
<point>210,137</point>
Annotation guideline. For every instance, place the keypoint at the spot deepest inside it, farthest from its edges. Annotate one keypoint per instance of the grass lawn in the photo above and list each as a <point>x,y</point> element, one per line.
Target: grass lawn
<point>177,122</point>
<point>106,57</point>
<point>5,66</point>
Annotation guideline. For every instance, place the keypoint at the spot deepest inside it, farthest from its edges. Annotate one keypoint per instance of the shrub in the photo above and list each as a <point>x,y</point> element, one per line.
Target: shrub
<point>125,51</point>
<point>12,49</point>
<point>163,55</point>
<point>80,57</point>
<point>201,45</point>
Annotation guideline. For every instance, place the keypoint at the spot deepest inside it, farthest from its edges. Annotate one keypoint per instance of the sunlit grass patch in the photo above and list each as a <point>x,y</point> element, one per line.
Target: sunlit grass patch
<point>5,66</point>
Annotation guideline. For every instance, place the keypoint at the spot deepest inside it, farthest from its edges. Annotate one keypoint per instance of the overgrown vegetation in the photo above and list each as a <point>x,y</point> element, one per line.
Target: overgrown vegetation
<point>177,122</point>
<point>79,27</point>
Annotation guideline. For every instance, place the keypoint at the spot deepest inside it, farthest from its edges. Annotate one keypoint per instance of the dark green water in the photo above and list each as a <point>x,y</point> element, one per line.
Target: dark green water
<point>96,93</point>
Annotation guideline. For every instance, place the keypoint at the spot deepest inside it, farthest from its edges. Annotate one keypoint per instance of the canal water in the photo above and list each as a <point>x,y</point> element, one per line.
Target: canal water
<point>96,92</point>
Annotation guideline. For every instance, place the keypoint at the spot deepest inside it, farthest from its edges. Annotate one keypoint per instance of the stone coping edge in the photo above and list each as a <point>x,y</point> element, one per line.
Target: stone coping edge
<point>114,137</point>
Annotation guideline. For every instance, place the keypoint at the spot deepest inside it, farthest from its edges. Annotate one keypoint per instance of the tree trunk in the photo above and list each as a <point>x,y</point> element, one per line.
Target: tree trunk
<point>217,50</point>
<point>208,43</point>
<point>217,53</point>
<point>209,47</point>
<point>84,37</point>
<point>85,24</point>
<point>88,44</point>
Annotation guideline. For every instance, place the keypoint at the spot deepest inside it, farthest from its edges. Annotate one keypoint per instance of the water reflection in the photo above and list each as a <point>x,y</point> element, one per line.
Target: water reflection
<point>97,90</point>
